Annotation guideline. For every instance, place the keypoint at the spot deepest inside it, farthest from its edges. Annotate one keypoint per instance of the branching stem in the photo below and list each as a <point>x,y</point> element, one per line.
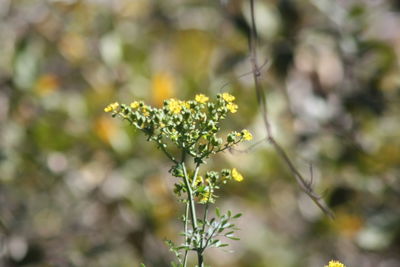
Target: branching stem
<point>306,187</point>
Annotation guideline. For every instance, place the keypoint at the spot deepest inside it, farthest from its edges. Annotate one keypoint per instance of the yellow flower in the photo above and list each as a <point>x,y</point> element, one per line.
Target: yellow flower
<point>145,111</point>
<point>335,264</point>
<point>162,87</point>
<point>201,98</point>
<point>186,104</point>
<point>247,135</point>
<point>228,97</point>
<point>236,175</point>
<point>175,106</point>
<point>199,180</point>
<point>206,197</point>
<point>112,107</point>
<point>135,104</point>
<point>232,107</point>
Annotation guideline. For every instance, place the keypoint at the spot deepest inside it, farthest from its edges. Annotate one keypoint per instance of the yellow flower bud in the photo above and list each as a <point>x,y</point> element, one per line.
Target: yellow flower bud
<point>247,135</point>
<point>228,97</point>
<point>335,264</point>
<point>232,107</point>
<point>135,104</point>
<point>236,175</point>
<point>112,107</point>
<point>201,98</point>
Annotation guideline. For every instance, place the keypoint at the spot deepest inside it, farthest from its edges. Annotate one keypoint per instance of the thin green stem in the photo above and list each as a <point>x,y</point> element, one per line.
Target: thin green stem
<point>186,230</point>
<point>163,149</point>
<point>190,197</point>
<point>192,207</point>
<point>212,234</point>
<point>229,145</point>
<point>204,223</point>
<point>196,172</point>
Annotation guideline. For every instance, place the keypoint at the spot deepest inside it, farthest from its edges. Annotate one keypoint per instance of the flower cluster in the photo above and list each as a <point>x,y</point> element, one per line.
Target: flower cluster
<point>190,125</point>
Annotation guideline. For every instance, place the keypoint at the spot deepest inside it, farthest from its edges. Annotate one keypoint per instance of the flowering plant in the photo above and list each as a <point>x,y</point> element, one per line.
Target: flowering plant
<point>183,129</point>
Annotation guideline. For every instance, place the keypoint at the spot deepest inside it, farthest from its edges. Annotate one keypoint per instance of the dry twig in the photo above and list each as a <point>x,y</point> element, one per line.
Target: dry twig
<point>304,185</point>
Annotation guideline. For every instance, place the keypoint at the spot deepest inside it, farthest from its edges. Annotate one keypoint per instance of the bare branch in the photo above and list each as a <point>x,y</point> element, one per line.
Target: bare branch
<point>261,99</point>
<point>269,62</point>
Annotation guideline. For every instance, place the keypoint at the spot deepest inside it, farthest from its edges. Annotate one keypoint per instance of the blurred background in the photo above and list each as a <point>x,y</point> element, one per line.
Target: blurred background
<point>78,188</point>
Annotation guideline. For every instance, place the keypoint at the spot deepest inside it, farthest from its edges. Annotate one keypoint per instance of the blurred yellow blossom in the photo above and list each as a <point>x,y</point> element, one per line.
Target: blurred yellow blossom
<point>73,47</point>
<point>347,224</point>
<point>112,107</point>
<point>162,86</point>
<point>247,135</point>
<point>335,264</point>
<point>201,98</point>
<point>46,84</point>
<point>228,97</point>
<point>236,175</point>
<point>105,128</point>
<point>232,107</point>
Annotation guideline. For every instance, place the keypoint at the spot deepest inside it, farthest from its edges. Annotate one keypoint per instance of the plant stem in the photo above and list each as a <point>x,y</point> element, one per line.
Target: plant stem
<point>190,197</point>
<point>163,149</point>
<point>186,229</point>
<point>192,208</point>
<point>200,259</point>
<point>196,171</point>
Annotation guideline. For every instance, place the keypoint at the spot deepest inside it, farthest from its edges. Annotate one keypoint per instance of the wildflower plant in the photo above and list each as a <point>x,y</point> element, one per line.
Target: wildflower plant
<point>183,131</point>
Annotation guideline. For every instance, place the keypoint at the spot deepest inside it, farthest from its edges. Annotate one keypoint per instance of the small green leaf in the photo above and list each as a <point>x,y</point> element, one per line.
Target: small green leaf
<point>237,215</point>
<point>211,221</point>
<point>217,211</point>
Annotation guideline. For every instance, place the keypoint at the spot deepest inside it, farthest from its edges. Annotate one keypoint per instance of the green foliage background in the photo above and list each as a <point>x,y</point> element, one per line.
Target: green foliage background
<point>78,188</point>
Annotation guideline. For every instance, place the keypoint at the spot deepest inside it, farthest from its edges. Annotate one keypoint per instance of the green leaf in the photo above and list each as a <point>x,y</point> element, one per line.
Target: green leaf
<point>214,242</point>
<point>217,211</point>
<point>211,221</point>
